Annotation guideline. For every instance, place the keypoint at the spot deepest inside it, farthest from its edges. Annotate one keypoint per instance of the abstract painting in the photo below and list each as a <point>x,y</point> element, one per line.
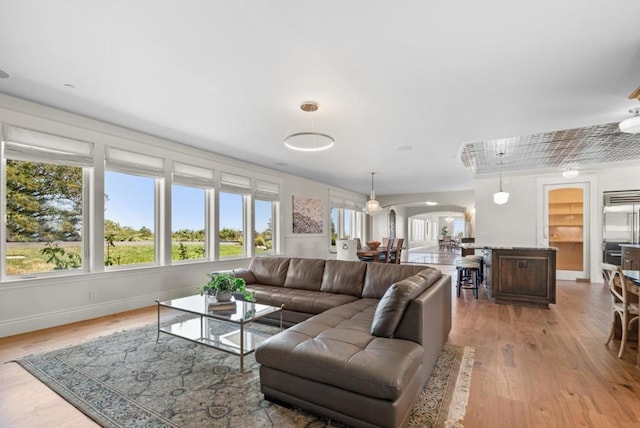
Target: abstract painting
<point>307,215</point>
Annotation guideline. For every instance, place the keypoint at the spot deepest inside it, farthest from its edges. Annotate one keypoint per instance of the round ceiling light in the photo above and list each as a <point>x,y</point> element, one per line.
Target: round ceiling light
<point>309,141</point>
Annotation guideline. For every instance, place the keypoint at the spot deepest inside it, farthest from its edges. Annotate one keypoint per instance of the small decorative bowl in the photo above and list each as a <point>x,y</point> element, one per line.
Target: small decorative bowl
<point>373,245</point>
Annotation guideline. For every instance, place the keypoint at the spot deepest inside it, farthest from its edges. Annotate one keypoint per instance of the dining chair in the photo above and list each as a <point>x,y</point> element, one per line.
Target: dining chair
<point>622,307</point>
<point>347,249</point>
<point>446,243</point>
<point>386,256</point>
<point>396,251</point>
<point>358,243</point>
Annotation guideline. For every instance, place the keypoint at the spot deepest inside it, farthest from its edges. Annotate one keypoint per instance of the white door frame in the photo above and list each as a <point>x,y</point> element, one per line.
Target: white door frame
<point>590,228</point>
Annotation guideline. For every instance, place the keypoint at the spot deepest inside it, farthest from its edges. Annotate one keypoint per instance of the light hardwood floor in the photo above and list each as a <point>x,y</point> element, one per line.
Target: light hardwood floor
<point>533,367</point>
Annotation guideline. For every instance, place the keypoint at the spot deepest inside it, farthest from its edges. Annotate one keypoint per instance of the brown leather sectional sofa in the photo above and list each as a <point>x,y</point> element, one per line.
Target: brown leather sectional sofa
<point>364,336</point>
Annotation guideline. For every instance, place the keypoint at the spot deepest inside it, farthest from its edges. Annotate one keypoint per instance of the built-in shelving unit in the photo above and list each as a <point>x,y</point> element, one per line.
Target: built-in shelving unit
<point>566,221</point>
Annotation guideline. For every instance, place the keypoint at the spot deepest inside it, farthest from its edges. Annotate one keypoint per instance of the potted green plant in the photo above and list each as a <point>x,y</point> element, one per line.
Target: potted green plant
<point>223,285</point>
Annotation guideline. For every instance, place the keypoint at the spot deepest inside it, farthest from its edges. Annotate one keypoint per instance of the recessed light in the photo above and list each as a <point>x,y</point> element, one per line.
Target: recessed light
<point>69,85</point>
<point>431,203</point>
<point>404,148</point>
<point>3,74</point>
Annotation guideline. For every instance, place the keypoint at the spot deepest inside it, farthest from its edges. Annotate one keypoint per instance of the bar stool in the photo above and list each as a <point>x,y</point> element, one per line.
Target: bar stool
<point>480,260</point>
<point>468,275</point>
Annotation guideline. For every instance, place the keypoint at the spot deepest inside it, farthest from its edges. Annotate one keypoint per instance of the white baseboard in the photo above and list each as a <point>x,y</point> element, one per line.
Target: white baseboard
<point>22,325</point>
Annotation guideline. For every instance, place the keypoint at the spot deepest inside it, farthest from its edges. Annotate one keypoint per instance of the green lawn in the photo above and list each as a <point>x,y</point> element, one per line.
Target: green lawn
<point>28,258</point>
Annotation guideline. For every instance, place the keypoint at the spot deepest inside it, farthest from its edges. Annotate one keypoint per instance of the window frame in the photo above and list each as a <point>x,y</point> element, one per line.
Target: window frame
<point>107,154</point>
<point>26,145</point>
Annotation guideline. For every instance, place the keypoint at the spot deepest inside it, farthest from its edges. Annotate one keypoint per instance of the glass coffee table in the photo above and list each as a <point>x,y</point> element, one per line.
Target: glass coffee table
<point>202,328</point>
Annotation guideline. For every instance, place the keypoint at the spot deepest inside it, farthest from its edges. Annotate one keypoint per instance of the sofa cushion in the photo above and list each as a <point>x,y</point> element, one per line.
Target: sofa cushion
<point>381,275</point>
<point>343,277</point>
<point>305,274</point>
<point>336,348</point>
<point>269,270</point>
<point>390,309</point>
<point>245,274</point>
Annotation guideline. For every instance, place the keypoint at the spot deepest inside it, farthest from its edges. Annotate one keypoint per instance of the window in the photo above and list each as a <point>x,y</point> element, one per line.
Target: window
<point>130,207</point>
<point>189,218</point>
<point>264,215</point>
<point>187,223</point>
<point>347,222</point>
<point>129,226</point>
<point>44,209</point>
<point>231,225</point>
<point>266,203</point>
<point>334,226</point>
<point>44,184</point>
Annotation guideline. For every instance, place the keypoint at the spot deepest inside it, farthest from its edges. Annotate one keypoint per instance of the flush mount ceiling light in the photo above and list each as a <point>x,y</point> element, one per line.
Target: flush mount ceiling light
<point>632,124</point>
<point>570,173</point>
<point>501,197</point>
<point>3,74</point>
<point>372,207</point>
<point>431,203</point>
<point>309,141</point>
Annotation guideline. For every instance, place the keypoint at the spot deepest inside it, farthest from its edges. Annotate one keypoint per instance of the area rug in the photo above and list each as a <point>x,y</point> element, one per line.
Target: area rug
<point>128,380</point>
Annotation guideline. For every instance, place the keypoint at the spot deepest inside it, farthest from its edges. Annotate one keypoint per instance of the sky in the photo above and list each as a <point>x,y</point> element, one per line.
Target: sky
<point>131,201</point>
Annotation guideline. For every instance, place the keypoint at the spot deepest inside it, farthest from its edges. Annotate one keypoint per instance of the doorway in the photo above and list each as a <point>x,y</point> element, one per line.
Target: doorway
<point>566,228</point>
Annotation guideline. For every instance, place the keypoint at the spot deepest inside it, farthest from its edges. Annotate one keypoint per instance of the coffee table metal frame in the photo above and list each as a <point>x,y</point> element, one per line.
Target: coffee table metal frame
<point>245,313</point>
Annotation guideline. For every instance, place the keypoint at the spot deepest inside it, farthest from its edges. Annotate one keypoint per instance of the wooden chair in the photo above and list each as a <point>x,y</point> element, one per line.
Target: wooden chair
<point>622,307</point>
<point>385,241</point>
<point>386,256</point>
<point>347,250</point>
<point>396,252</point>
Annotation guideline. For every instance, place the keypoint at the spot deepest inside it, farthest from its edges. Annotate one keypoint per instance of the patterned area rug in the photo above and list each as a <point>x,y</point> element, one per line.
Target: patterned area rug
<point>129,380</point>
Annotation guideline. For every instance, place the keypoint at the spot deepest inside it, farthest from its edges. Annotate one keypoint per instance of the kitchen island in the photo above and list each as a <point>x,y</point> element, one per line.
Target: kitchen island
<point>519,275</point>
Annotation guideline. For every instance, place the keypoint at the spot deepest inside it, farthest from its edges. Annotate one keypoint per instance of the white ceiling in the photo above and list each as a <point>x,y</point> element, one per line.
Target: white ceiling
<point>228,76</point>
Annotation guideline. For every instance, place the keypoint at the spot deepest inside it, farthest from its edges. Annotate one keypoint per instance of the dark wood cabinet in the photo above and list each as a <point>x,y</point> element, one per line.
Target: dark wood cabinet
<point>523,276</point>
<point>630,257</point>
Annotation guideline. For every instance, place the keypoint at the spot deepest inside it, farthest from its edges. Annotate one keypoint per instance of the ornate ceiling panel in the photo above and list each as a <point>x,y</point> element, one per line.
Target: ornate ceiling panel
<point>559,149</point>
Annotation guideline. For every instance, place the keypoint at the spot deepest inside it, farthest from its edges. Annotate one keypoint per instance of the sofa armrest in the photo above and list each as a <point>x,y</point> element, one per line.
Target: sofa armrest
<point>427,319</point>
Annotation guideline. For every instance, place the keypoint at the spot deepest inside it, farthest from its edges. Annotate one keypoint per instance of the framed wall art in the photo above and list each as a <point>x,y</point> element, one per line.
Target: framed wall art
<point>307,215</point>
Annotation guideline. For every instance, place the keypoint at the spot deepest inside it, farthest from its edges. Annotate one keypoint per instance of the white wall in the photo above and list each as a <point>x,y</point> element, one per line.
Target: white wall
<point>513,223</point>
<point>30,304</point>
<point>518,221</point>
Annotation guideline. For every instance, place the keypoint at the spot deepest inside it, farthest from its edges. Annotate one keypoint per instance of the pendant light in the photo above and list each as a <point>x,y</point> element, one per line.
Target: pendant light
<point>372,207</point>
<point>501,197</point>
<point>632,124</point>
<point>309,141</point>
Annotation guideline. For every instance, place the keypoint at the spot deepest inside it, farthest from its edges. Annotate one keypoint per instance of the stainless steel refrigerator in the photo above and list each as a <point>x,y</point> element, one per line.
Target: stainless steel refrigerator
<point>620,223</point>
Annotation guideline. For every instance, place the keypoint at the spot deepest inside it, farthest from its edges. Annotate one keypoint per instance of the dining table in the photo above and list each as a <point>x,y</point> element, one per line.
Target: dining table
<point>633,286</point>
<point>374,254</point>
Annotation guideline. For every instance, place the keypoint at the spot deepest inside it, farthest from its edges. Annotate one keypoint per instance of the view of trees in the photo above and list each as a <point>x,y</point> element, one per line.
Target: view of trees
<point>44,202</point>
<point>45,221</point>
